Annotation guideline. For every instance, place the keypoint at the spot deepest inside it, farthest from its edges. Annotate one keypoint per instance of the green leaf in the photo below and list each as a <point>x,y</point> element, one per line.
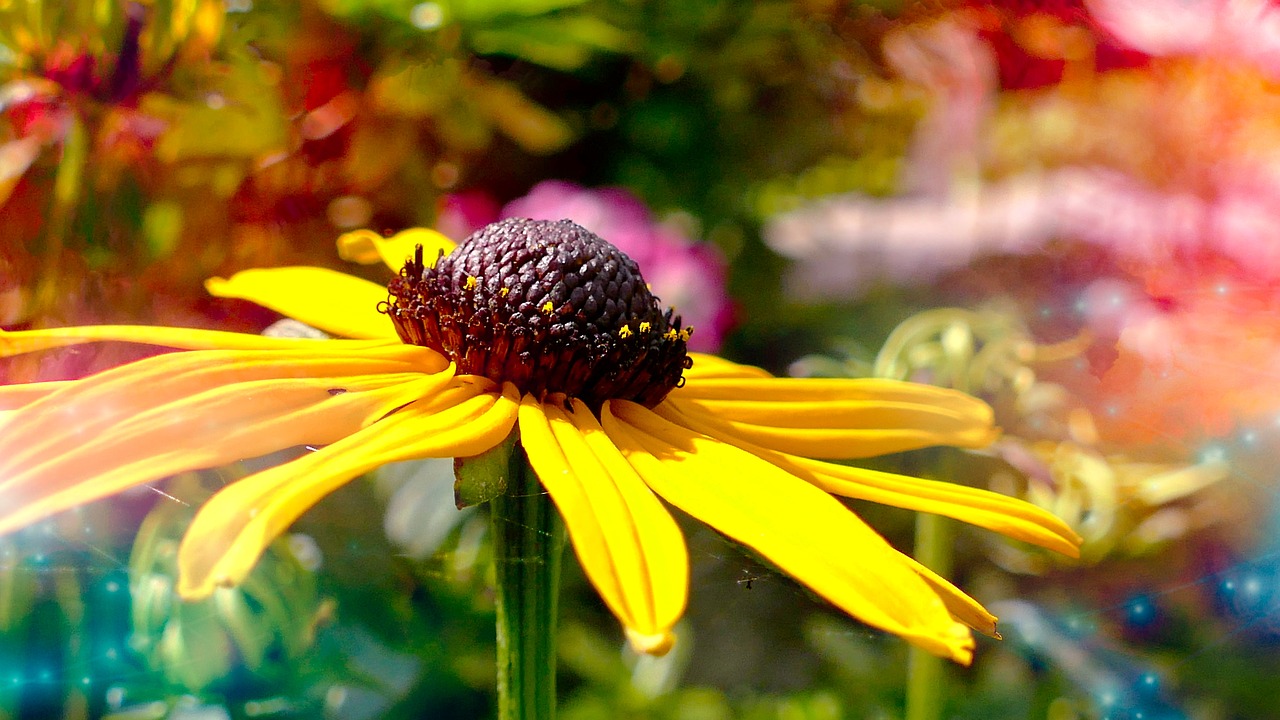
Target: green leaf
<point>162,227</point>
<point>560,42</point>
<point>416,89</point>
<point>530,125</point>
<point>244,119</point>
<point>478,11</point>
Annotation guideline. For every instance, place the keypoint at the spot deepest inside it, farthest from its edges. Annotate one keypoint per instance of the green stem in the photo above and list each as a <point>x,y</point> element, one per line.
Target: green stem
<point>926,673</point>
<point>528,542</point>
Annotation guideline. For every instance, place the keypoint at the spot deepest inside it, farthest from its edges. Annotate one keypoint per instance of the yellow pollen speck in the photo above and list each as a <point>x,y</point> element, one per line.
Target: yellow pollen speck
<point>625,331</point>
<point>548,308</point>
<point>471,282</point>
<point>684,334</point>
<point>503,292</point>
<point>670,334</point>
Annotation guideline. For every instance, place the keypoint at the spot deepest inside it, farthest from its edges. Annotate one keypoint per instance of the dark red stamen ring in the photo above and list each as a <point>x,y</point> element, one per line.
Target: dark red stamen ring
<point>548,306</point>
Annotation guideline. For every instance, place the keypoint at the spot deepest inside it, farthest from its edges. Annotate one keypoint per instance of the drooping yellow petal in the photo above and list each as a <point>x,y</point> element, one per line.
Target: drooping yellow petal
<point>711,366</point>
<point>772,389</point>
<point>367,247</point>
<point>13,397</point>
<point>847,430</point>
<point>231,531</point>
<point>839,418</point>
<point>100,403</point>
<point>960,605</point>
<point>1009,516</point>
<point>334,302</point>
<point>801,529</point>
<point>27,341</point>
<point>171,413</point>
<point>628,544</point>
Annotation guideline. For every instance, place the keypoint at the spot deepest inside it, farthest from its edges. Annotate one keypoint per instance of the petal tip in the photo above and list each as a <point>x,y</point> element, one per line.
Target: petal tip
<point>953,642</point>
<point>1072,548</point>
<point>368,247</point>
<point>191,590</point>
<point>216,286</point>
<point>359,246</point>
<point>960,644</point>
<point>656,644</point>
<point>988,628</point>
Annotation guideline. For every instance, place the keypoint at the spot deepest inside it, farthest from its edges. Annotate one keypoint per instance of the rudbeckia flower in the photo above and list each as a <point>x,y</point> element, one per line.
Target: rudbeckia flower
<point>530,326</point>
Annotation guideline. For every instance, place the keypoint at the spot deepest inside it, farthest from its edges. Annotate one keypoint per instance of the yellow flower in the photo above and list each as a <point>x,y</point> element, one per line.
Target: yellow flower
<point>611,422</point>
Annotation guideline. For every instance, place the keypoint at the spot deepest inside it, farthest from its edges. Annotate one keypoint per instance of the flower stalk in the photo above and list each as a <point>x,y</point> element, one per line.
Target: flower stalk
<point>926,672</point>
<point>528,544</point>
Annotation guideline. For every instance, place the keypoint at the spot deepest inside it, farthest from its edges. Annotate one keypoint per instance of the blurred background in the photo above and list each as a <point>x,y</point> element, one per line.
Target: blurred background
<point>1070,208</point>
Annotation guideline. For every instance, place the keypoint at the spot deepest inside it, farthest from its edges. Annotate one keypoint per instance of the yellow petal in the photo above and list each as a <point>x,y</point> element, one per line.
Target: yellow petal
<point>799,528</point>
<point>628,544</point>
<point>96,437</point>
<point>367,247</point>
<point>712,366</point>
<point>772,389</point>
<point>13,397</point>
<point>960,605</point>
<point>334,302</point>
<point>231,531</point>
<point>839,418</point>
<point>105,402</point>
<point>993,511</point>
<point>26,341</point>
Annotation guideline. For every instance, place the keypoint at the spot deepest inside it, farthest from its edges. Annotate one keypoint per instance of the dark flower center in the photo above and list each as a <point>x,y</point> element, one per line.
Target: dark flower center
<point>548,306</point>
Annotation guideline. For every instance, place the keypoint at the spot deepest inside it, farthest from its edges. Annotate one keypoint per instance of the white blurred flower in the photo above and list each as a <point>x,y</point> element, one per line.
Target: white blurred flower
<point>1245,29</point>
<point>420,511</point>
<point>844,243</point>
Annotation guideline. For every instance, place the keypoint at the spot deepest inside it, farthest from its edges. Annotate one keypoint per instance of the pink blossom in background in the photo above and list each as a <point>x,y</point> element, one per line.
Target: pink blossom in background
<point>687,275</point>
<point>462,213</point>
<point>1199,364</point>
